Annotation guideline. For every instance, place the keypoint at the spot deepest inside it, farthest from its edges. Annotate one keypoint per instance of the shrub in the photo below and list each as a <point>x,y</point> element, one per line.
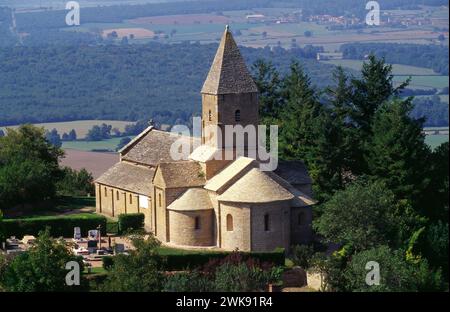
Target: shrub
<point>188,282</point>
<point>107,262</point>
<point>301,255</point>
<point>132,221</point>
<point>59,225</point>
<point>176,261</point>
<point>112,227</point>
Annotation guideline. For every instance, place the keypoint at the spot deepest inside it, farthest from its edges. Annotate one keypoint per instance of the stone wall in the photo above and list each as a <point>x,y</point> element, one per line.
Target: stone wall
<point>183,231</point>
<point>278,232</point>
<point>301,220</point>
<point>239,236</point>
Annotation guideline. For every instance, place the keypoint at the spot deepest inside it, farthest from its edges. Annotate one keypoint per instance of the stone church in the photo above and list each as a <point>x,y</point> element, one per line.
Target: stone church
<point>205,202</point>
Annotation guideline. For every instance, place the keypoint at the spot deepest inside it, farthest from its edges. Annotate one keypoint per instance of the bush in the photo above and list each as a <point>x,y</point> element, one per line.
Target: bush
<point>176,261</point>
<point>301,255</point>
<point>107,262</point>
<point>188,282</point>
<point>132,221</point>
<point>59,226</point>
<point>112,227</point>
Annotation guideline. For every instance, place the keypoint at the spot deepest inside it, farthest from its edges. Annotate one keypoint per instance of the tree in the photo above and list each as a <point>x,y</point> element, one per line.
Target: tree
<point>268,81</point>
<point>436,195</point>
<point>396,274</point>
<point>369,92</point>
<point>397,154</point>
<point>53,137</point>
<point>139,271</point>
<point>75,183</point>
<point>361,216</point>
<point>123,142</point>
<point>308,33</point>
<point>72,135</point>
<point>41,268</point>
<point>28,167</point>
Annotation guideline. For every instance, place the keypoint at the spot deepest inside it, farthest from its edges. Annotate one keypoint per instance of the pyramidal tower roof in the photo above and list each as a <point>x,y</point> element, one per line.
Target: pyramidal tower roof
<point>229,73</point>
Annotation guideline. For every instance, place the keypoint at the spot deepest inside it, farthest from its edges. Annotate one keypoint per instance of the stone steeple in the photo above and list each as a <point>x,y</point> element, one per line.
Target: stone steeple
<point>229,73</point>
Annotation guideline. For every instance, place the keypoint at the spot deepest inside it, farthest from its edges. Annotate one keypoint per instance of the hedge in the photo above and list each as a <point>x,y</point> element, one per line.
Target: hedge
<point>132,221</point>
<point>177,261</point>
<point>59,225</point>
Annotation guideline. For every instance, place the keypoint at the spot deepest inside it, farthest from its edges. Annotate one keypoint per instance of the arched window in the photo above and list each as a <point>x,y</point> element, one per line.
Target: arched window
<point>106,192</point>
<point>159,200</point>
<point>117,195</point>
<point>131,199</point>
<point>197,223</point>
<point>229,223</point>
<point>237,115</point>
<point>209,115</point>
<point>266,223</point>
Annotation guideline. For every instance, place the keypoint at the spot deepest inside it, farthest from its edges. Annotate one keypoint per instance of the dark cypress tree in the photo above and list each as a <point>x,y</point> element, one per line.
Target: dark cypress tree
<point>397,153</point>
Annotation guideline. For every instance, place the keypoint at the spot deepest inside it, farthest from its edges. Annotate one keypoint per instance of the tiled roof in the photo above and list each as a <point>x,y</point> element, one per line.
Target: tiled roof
<point>293,171</point>
<point>229,73</point>
<point>182,174</point>
<point>154,147</point>
<point>256,187</point>
<point>234,171</point>
<point>130,177</point>
<point>192,199</point>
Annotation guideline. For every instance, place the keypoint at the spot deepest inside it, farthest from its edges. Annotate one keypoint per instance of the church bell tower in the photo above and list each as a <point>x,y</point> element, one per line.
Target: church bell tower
<point>229,94</point>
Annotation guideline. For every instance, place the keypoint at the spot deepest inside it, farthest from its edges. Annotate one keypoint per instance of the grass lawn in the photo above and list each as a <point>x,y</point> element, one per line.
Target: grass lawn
<point>63,204</point>
<point>107,145</point>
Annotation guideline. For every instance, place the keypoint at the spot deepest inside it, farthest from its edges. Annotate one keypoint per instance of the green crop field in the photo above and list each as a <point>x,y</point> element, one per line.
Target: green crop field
<point>87,146</point>
<point>398,69</point>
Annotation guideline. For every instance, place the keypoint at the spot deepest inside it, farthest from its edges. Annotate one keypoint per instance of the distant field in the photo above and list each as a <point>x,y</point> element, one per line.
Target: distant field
<point>139,33</point>
<point>110,145</point>
<point>398,69</point>
<point>435,140</point>
<point>421,78</point>
<point>95,163</point>
<point>81,126</point>
<point>422,82</point>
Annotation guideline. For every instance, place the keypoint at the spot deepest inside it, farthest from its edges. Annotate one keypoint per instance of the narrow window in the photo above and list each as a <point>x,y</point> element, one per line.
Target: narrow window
<point>266,223</point>
<point>237,115</point>
<point>131,199</point>
<point>229,223</point>
<point>106,192</point>
<point>117,195</point>
<point>209,115</point>
<point>159,200</point>
<point>197,223</point>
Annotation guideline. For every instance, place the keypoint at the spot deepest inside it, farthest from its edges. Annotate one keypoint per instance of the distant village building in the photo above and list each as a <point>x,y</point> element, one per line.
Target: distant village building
<point>328,56</point>
<point>204,202</point>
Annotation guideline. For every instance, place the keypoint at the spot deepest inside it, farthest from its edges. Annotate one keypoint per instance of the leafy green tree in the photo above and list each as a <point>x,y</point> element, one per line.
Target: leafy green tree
<point>140,271</point>
<point>123,142</point>
<point>54,138</point>
<point>72,135</point>
<point>41,268</point>
<point>397,153</point>
<point>396,274</point>
<point>28,167</point>
<point>75,183</point>
<point>361,216</point>
<point>436,196</point>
